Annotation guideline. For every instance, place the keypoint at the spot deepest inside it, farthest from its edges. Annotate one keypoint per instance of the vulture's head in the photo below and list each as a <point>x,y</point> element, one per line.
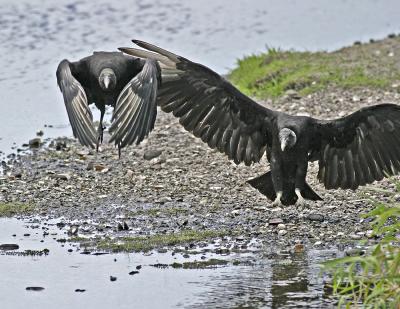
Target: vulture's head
<point>107,79</point>
<point>287,138</point>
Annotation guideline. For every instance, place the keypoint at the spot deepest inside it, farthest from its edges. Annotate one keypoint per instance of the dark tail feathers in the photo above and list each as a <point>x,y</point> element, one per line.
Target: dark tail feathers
<point>264,184</point>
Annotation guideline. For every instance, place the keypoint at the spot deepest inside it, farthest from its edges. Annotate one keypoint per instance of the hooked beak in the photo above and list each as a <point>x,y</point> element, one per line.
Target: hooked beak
<point>283,145</point>
<point>106,81</point>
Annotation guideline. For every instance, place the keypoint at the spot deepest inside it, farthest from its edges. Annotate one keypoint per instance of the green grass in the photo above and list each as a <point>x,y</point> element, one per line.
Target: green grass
<point>138,243</point>
<point>9,209</point>
<point>271,74</point>
<point>372,280</point>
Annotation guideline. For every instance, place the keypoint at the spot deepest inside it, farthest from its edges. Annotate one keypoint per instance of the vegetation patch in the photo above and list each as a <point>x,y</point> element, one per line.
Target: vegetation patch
<point>373,279</point>
<point>138,243</point>
<point>211,263</point>
<point>272,74</point>
<point>9,209</point>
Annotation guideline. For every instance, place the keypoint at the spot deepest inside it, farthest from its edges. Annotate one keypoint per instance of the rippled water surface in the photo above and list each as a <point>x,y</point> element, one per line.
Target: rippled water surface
<point>261,280</point>
<point>37,35</point>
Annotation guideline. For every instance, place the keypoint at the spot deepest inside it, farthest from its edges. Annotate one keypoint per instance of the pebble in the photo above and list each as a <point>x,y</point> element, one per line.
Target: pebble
<point>112,278</point>
<point>275,221</point>
<point>35,288</point>
<point>151,154</point>
<point>316,217</point>
<point>133,272</point>
<point>6,247</point>
<point>281,226</point>
<point>354,252</point>
<point>35,142</point>
<point>80,290</point>
<point>282,232</point>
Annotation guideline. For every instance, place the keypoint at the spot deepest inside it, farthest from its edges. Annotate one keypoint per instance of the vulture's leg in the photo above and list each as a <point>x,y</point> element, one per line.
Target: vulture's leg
<point>301,173</point>
<point>300,200</point>
<point>119,150</point>
<point>276,171</point>
<point>100,130</point>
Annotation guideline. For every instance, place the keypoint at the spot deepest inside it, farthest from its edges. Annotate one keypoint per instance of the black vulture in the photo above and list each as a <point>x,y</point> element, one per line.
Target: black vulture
<point>351,151</point>
<point>115,79</point>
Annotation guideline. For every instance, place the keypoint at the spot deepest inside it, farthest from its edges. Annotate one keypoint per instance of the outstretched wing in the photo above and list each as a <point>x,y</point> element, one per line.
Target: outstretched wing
<point>360,148</point>
<point>75,100</point>
<point>136,108</point>
<point>209,106</point>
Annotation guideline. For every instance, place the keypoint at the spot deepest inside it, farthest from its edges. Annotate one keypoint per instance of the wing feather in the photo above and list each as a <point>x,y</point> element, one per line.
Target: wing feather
<point>76,103</point>
<point>366,147</point>
<point>209,106</point>
<point>136,109</point>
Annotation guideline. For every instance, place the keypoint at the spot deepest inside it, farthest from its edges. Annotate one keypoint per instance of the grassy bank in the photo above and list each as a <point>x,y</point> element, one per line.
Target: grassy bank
<point>10,209</point>
<point>272,74</point>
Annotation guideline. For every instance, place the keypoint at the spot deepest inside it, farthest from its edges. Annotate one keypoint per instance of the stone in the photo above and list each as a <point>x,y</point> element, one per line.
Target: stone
<point>35,142</point>
<point>112,278</point>
<point>275,221</point>
<point>35,288</point>
<point>7,247</point>
<point>151,154</point>
<point>282,232</point>
<point>316,217</point>
<point>281,226</point>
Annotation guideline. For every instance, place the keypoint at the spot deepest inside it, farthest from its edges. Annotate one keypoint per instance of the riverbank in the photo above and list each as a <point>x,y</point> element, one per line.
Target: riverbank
<point>172,190</point>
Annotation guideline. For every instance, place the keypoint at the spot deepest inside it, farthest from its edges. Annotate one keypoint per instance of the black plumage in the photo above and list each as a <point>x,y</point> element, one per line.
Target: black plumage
<point>351,151</point>
<point>110,78</point>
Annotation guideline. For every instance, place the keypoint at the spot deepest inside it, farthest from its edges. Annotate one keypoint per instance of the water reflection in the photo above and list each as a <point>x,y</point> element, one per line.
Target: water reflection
<point>286,280</point>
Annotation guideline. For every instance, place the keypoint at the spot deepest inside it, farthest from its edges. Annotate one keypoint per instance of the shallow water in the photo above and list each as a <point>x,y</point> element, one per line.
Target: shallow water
<point>281,281</point>
<point>37,35</point>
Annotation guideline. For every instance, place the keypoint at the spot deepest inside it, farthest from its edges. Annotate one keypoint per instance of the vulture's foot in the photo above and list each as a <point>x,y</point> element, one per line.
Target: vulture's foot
<point>277,201</point>
<point>300,199</point>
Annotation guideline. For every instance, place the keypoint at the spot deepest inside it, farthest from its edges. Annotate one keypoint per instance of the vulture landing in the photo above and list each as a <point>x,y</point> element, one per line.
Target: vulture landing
<point>351,151</point>
<point>110,78</point>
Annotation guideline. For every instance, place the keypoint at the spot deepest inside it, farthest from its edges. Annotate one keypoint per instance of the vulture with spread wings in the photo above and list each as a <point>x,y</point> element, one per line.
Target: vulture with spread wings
<point>115,79</point>
<point>351,151</point>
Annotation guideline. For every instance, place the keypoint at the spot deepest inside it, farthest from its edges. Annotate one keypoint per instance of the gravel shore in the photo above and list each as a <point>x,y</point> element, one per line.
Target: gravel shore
<point>173,183</point>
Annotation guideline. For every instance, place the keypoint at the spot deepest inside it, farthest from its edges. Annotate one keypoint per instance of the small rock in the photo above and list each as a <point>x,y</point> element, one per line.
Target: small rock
<point>40,133</point>
<point>35,142</point>
<point>62,176</point>
<point>282,232</point>
<point>133,272</point>
<point>316,217</point>
<point>6,247</point>
<point>281,226</point>
<point>275,221</point>
<point>112,278</point>
<point>139,267</point>
<point>73,230</point>
<point>318,243</point>
<point>99,167</point>
<point>354,252</point>
<point>80,290</point>
<point>90,166</point>
<point>293,94</point>
<point>35,288</point>
<point>298,248</point>
<point>151,154</point>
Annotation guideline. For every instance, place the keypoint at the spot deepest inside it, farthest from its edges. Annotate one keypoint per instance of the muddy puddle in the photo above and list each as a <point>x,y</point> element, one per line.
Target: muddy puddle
<point>44,271</point>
